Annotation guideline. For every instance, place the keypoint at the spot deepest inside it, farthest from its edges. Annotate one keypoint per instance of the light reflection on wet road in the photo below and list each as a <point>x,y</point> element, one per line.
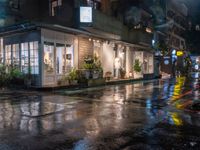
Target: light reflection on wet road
<point>146,115</point>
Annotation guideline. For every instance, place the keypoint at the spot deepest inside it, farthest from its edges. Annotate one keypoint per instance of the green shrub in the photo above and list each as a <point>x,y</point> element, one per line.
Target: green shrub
<point>88,66</point>
<point>4,76</point>
<point>15,73</point>
<point>92,63</point>
<point>137,66</point>
<point>73,75</point>
<point>16,76</point>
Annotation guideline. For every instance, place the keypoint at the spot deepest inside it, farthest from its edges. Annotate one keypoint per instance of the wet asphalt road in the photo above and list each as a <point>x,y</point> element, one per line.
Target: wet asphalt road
<point>147,115</point>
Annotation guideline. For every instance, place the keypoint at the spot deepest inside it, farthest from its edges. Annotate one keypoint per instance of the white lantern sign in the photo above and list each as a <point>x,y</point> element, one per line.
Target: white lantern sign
<point>86,14</point>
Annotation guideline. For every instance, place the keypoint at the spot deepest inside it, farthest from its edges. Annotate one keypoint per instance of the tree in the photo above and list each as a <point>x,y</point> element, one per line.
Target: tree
<point>137,66</point>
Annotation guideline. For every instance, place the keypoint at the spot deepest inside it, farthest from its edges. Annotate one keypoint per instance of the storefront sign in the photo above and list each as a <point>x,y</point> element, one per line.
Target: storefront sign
<point>179,53</point>
<point>86,14</point>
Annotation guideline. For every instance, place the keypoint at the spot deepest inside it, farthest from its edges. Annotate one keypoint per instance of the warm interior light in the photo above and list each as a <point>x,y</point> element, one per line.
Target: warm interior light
<point>148,30</point>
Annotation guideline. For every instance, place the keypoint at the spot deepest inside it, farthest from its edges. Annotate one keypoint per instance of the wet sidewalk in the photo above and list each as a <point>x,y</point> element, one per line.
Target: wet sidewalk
<point>71,89</point>
<point>137,115</point>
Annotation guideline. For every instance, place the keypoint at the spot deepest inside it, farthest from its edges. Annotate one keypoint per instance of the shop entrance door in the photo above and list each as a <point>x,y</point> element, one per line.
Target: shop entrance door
<point>60,60</point>
<point>64,60</point>
<point>49,64</point>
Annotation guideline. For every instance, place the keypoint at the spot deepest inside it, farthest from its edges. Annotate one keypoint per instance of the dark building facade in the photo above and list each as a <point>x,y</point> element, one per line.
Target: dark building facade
<point>50,37</point>
<point>171,34</point>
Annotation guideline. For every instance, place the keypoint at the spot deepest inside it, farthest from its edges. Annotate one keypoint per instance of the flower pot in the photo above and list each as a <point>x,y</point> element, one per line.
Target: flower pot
<point>95,75</point>
<point>137,75</point>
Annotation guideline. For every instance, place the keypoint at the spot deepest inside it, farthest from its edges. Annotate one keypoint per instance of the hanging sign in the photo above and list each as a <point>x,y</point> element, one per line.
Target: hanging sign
<point>86,14</point>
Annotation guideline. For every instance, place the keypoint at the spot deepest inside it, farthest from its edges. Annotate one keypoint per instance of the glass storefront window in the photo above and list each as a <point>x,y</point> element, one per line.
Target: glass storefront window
<point>49,57</point>
<point>8,54</point>
<point>60,58</point>
<point>148,63</point>
<point>24,58</point>
<point>69,57</point>
<point>64,58</point>
<point>151,64</point>
<point>138,55</point>
<point>34,62</point>
<point>16,55</point>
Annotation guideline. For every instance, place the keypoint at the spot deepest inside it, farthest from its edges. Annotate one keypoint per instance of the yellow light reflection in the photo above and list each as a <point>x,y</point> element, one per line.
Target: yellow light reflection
<point>177,121</point>
<point>178,88</point>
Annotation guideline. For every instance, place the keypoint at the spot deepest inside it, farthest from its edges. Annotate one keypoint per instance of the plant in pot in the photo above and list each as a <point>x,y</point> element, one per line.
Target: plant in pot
<point>137,67</point>
<point>122,73</point>
<point>98,70</point>
<point>63,81</point>
<point>93,69</point>
<point>88,70</point>
<point>88,66</point>
<point>108,75</point>
<point>73,77</point>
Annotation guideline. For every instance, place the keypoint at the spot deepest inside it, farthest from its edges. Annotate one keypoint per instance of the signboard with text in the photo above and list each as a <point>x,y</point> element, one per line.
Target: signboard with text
<point>85,14</point>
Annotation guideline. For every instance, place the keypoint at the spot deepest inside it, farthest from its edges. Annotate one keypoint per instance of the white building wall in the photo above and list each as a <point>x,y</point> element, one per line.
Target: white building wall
<point>129,61</point>
<point>108,58</point>
<point>76,52</point>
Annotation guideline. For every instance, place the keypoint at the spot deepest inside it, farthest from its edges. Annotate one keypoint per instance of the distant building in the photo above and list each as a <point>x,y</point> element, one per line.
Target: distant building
<point>176,13</point>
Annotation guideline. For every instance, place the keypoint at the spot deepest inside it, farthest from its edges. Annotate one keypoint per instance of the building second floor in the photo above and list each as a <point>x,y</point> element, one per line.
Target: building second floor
<point>114,17</point>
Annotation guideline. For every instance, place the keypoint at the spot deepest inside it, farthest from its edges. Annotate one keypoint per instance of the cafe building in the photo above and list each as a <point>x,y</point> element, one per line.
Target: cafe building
<point>44,53</point>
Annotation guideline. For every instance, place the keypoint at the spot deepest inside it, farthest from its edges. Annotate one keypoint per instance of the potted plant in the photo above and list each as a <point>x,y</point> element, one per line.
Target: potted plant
<point>93,69</point>
<point>137,67</point>
<point>108,75</point>
<point>122,73</point>
<point>63,81</point>
<point>98,70</point>
<point>73,77</point>
<point>88,66</point>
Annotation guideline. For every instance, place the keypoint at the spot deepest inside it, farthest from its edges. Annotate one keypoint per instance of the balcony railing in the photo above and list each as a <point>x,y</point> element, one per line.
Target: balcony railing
<point>140,36</point>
